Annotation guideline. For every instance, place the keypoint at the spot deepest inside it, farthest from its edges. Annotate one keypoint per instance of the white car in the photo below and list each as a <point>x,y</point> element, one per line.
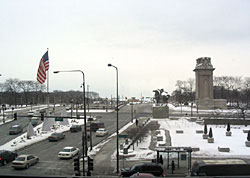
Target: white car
<point>68,152</point>
<point>101,132</point>
<point>31,113</point>
<point>25,161</point>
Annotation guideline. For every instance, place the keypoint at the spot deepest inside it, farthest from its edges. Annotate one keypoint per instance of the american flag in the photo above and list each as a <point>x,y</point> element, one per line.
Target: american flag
<point>43,67</point>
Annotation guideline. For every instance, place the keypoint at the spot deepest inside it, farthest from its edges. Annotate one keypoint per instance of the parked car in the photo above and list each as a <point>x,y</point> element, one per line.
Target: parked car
<point>68,152</point>
<point>31,113</point>
<point>75,128</point>
<point>15,129</point>
<point>34,121</point>
<point>151,168</point>
<point>56,136</point>
<point>101,132</point>
<point>25,161</point>
<point>96,125</point>
<point>42,111</point>
<point>7,156</point>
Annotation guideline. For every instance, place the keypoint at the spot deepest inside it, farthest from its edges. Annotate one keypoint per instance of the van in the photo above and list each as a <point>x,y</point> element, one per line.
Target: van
<point>96,125</point>
<point>226,167</point>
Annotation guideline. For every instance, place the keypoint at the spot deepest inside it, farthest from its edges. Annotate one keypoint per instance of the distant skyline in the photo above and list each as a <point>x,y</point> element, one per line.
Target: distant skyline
<point>153,43</point>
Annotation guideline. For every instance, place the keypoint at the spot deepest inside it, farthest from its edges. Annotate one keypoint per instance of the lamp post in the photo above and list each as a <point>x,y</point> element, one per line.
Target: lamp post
<point>192,109</point>
<point>84,134</point>
<point>3,108</point>
<point>117,124</point>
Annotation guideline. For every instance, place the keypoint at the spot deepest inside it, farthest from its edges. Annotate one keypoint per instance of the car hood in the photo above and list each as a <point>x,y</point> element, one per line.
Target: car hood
<point>125,170</point>
<point>62,152</point>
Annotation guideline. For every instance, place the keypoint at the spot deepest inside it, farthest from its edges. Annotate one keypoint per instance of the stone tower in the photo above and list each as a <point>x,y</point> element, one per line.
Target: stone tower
<point>204,78</point>
<point>204,95</point>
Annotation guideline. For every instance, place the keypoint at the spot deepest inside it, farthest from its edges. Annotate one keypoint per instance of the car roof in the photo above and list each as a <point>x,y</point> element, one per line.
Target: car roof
<point>56,133</point>
<point>24,155</point>
<point>68,147</point>
<point>101,129</point>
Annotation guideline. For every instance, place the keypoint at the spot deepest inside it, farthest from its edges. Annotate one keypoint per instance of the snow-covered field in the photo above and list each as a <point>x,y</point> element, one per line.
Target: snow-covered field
<point>190,138</point>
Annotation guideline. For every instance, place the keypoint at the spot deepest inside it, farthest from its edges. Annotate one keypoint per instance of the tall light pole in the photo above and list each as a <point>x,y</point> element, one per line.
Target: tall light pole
<point>84,134</point>
<point>88,96</point>
<point>117,111</point>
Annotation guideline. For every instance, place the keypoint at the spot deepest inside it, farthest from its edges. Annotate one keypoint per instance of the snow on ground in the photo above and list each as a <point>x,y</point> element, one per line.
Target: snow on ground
<point>92,110</point>
<point>187,109</point>
<point>190,138</point>
<point>22,141</point>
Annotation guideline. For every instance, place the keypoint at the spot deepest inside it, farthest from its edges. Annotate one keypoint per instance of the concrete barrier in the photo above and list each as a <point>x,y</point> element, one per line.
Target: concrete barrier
<point>195,149</point>
<point>247,143</point>
<point>179,131</point>
<point>210,140</point>
<point>199,131</point>
<point>223,149</point>
<point>245,131</point>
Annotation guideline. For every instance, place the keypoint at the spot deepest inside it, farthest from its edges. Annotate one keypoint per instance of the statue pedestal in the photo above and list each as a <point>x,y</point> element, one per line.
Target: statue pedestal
<point>208,104</point>
<point>228,133</point>
<point>247,143</point>
<point>210,140</point>
<point>160,112</point>
<point>205,136</point>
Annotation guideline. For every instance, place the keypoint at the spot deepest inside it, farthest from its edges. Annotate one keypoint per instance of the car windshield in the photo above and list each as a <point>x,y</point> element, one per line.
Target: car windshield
<point>13,128</point>
<point>20,158</point>
<point>55,134</point>
<point>124,82</point>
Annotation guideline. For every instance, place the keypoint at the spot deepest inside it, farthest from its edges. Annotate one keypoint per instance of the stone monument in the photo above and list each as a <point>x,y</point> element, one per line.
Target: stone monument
<point>161,109</point>
<point>204,96</point>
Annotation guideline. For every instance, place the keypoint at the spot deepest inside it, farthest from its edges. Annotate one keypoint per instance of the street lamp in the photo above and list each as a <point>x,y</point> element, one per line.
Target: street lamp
<point>192,109</point>
<point>3,108</point>
<point>117,132</point>
<point>84,134</point>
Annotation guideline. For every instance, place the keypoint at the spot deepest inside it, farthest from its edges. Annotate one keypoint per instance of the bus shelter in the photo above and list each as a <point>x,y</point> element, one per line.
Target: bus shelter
<point>179,151</point>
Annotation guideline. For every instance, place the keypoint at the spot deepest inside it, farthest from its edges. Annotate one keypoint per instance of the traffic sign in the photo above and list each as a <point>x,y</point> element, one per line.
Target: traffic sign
<point>59,119</point>
<point>123,136</point>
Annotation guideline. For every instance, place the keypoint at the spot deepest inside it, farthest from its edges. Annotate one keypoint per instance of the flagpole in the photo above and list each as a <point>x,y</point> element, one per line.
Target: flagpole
<point>48,84</point>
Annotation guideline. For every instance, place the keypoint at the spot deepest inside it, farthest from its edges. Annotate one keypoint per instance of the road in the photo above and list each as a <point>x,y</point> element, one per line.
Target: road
<point>24,121</point>
<point>47,151</point>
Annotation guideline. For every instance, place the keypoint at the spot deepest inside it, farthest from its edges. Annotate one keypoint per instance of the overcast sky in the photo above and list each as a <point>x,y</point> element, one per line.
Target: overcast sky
<point>153,43</point>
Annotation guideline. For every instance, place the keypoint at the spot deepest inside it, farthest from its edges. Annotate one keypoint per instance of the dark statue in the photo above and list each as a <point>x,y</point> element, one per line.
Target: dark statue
<point>159,98</point>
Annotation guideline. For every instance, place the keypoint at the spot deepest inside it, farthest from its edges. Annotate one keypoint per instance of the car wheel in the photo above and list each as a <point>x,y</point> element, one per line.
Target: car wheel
<point>4,162</point>
<point>37,160</point>
<point>27,166</point>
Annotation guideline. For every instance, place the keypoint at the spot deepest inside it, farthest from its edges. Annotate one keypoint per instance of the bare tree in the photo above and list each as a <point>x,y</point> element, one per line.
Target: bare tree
<point>11,86</point>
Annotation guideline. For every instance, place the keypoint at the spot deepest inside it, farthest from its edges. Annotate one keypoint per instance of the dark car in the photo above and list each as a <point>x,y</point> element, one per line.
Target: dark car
<point>56,136</point>
<point>15,129</point>
<point>7,156</point>
<point>96,125</point>
<point>75,128</point>
<point>151,168</point>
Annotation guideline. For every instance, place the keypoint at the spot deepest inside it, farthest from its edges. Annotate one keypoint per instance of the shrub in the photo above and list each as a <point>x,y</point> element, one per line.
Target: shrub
<point>228,127</point>
<point>248,135</point>
<point>210,133</point>
<point>205,129</point>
